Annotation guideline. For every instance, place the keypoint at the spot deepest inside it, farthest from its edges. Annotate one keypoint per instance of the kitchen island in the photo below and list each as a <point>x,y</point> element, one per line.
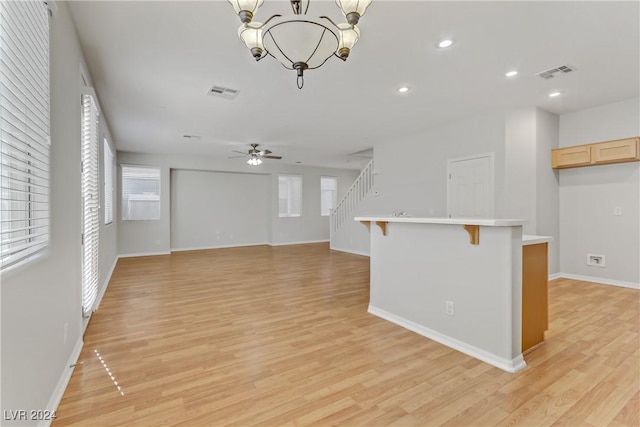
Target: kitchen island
<point>456,281</point>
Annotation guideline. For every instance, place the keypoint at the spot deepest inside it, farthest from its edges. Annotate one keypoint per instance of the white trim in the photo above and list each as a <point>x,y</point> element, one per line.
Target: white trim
<point>492,184</point>
<point>555,276</point>
<point>299,243</point>
<point>63,381</point>
<point>350,251</point>
<point>511,366</point>
<point>143,254</point>
<point>204,248</point>
<point>600,280</point>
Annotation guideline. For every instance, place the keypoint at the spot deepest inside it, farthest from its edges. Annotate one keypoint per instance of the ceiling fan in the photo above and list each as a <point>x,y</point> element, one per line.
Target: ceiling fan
<point>255,155</point>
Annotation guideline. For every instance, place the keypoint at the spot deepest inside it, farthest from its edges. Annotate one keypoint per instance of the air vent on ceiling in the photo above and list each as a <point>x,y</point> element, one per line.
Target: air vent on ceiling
<point>187,136</point>
<point>562,69</point>
<point>223,92</point>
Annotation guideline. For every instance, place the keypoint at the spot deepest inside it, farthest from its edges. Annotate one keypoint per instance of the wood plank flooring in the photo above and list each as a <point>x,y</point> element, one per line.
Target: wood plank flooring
<point>281,336</point>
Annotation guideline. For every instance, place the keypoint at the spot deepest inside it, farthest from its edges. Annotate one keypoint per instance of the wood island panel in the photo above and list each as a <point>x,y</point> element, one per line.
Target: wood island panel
<point>535,302</point>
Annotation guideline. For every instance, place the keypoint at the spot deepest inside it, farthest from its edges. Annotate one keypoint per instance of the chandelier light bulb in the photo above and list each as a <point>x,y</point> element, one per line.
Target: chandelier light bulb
<point>254,161</point>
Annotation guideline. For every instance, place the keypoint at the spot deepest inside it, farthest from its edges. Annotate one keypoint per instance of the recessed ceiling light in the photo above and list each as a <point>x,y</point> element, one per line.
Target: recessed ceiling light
<point>554,94</point>
<point>511,73</point>
<point>404,89</point>
<point>445,43</point>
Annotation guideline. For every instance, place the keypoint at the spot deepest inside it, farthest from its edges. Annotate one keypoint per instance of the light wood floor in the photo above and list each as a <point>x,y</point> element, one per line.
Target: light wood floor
<point>281,335</point>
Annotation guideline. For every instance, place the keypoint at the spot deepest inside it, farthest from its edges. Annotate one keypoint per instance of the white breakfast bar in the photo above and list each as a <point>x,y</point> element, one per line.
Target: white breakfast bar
<point>456,281</point>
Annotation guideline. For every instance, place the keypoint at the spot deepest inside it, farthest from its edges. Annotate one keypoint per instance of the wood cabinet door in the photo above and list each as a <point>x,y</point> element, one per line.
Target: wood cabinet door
<point>571,157</point>
<point>616,151</point>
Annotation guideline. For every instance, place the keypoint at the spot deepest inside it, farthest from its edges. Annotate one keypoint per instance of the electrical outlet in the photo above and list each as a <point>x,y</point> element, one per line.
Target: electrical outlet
<point>617,211</point>
<point>596,260</point>
<point>449,308</point>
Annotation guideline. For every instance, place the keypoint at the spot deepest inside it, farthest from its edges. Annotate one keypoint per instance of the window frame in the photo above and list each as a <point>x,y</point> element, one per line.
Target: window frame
<point>290,201</point>
<point>25,134</point>
<point>334,198</point>
<point>126,203</point>
<point>109,187</point>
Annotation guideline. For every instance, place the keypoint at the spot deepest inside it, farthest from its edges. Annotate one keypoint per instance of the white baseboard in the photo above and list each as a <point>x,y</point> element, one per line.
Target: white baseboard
<point>600,280</point>
<point>61,386</point>
<point>143,254</point>
<point>306,242</point>
<point>349,251</point>
<point>204,248</point>
<point>513,365</point>
<point>555,276</point>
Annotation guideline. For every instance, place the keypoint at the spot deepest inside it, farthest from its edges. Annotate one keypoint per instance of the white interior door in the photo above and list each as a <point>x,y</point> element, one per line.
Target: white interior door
<point>470,189</point>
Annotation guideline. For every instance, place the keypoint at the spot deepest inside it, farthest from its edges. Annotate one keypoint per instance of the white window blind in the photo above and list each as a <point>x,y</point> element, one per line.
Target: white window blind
<point>140,192</point>
<point>328,194</point>
<point>108,183</point>
<point>24,130</point>
<point>289,195</point>
<point>90,203</point>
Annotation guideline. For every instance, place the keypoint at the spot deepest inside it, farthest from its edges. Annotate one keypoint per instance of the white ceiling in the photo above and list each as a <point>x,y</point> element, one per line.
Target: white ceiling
<point>152,64</point>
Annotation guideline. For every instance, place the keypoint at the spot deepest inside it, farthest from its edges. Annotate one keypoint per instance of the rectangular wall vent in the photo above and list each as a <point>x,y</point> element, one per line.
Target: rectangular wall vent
<point>562,69</point>
<point>223,92</point>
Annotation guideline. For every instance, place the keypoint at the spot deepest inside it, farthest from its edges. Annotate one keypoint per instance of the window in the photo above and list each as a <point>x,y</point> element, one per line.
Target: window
<point>90,203</point>
<point>140,193</point>
<point>108,183</point>
<point>328,194</point>
<point>289,195</point>
<point>24,130</point>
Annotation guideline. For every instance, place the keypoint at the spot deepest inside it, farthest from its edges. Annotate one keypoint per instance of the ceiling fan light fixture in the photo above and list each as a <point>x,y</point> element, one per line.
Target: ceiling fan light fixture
<point>246,8</point>
<point>254,161</point>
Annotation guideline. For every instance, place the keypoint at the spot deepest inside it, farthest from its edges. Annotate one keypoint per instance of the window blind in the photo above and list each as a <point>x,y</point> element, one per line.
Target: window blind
<point>108,183</point>
<point>140,193</point>
<point>90,203</point>
<point>289,195</point>
<point>24,130</point>
<point>328,194</point>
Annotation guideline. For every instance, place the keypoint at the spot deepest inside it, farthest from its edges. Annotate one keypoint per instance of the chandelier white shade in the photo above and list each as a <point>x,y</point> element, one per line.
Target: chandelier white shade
<point>299,42</point>
<point>300,39</point>
<point>246,8</point>
<point>353,9</point>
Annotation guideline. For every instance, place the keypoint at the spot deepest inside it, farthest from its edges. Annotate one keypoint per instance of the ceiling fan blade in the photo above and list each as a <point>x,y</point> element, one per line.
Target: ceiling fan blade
<point>265,152</point>
<point>236,157</point>
<point>241,152</point>
<point>272,157</point>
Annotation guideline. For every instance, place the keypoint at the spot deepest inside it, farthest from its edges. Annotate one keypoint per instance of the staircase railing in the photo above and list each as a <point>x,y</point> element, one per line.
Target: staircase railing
<point>358,191</point>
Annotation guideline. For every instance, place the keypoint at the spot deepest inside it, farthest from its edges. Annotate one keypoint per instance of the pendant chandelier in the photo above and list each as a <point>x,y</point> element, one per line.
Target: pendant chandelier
<point>298,41</point>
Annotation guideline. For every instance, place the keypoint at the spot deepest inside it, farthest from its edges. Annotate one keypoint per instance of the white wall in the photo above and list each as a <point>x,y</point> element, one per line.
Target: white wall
<point>153,237</point>
<point>547,185</point>
<point>520,167</point>
<point>218,209</point>
<point>411,173</point>
<point>43,298</point>
<point>589,195</point>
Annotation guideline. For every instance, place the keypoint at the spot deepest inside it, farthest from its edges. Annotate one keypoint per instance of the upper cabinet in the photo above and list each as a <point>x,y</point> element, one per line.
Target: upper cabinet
<point>602,153</point>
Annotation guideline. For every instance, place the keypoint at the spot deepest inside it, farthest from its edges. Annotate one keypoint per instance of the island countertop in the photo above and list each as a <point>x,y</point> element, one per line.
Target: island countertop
<point>490,222</point>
